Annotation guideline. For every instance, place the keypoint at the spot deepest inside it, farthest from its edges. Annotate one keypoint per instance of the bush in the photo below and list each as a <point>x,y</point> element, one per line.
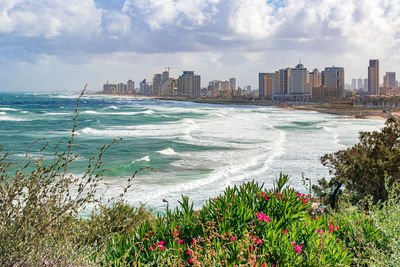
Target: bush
<point>361,169</point>
<point>244,225</point>
<point>40,205</point>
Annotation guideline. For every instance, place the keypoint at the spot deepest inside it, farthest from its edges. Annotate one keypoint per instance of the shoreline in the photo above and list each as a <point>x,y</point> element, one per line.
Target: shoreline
<point>353,113</point>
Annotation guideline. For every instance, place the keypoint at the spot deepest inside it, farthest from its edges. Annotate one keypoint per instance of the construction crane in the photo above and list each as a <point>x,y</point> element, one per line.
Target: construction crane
<point>168,68</point>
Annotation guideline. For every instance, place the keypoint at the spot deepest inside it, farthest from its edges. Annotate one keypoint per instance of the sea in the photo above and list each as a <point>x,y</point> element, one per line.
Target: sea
<point>194,150</point>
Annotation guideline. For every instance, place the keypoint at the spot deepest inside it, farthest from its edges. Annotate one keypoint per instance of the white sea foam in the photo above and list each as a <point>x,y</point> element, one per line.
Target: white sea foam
<point>8,118</point>
<point>2,113</point>
<point>145,158</point>
<point>111,107</point>
<point>8,109</point>
<point>167,152</point>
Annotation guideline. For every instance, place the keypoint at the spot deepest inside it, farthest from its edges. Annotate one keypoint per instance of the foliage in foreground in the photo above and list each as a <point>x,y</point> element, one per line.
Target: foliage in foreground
<point>246,225</point>
<point>360,170</point>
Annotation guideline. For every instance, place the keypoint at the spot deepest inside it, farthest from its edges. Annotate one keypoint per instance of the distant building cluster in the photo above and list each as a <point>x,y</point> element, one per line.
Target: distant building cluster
<point>299,84</point>
<point>372,85</point>
<point>188,84</point>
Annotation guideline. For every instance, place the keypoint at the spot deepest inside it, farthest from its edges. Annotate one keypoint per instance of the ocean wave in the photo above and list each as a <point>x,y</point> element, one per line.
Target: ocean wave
<point>126,113</point>
<point>7,118</point>
<point>146,158</point>
<point>8,109</point>
<point>111,107</point>
<point>167,152</point>
<point>3,113</point>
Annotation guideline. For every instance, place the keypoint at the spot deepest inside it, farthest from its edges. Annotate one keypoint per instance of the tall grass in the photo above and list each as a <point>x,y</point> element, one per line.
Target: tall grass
<point>40,203</point>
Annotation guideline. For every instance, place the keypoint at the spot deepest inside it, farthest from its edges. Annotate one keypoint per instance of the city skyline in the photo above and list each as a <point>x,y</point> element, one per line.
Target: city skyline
<point>50,45</point>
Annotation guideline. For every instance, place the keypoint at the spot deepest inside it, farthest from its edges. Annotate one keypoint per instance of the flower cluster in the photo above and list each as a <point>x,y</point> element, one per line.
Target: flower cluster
<point>297,248</point>
<point>264,195</point>
<point>262,217</point>
<point>160,246</point>
<point>304,198</point>
<point>331,227</point>
<point>257,240</point>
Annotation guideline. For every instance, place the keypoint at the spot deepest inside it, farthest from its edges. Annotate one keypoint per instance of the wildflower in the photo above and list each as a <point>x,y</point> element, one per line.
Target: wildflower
<point>262,217</point>
<point>161,242</point>
<point>284,232</point>
<point>263,265</point>
<point>191,260</point>
<point>188,252</point>
<point>259,241</point>
<point>151,248</point>
<point>194,240</point>
<point>161,247</point>
<point>232,238</point>
<point>316,231</point>
<point>298,248</point>
<point>180,241</point>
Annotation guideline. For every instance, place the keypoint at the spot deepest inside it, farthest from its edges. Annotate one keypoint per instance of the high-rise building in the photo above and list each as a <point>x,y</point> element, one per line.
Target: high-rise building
<point>366,84</point>
<point>157,81</point>
<point>265,84</point>
<point>360,84</point>
<point>353,83</point>
<point>333,81</point>
<point>373,77</point>
<point>232,83</point>
<point>131,86</point>
<point>315,78</point>
<point>389,80</point>
<point>298,81</point>
<point>189,84</point>
<point>284,75</point>
<point>145,88</point>
<point>164,76</point>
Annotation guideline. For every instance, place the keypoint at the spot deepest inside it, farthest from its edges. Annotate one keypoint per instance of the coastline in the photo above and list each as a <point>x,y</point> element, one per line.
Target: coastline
<point>354,113</point>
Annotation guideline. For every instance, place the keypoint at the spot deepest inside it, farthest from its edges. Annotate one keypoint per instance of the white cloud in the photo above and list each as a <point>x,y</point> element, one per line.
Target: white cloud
<point>158,13</point>
<point>49,18</point>
<point>120,24</point>
<point>253,18</point>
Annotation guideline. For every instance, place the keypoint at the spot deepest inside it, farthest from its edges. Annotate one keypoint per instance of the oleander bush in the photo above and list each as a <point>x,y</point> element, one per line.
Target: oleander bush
<point>244,225</point>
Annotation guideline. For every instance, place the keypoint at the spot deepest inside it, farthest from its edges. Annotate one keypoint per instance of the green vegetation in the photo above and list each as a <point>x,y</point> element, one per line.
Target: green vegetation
<point>41,222</point>
<point>360,171</point>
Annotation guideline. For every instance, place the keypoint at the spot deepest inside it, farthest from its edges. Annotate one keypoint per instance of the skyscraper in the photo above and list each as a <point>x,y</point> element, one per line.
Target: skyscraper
<point>365,84</point>
<point>266,83</point>
<point>333,77</point>
<point>144,88</point>
<point>232,82</point>
<point>353,83</point>
<point>157,81</point>
<point>299,84</point>
<point>373,77</point>
<point>189,84</point>
<point>315,78</point>
<point>389,80</point>
<point>360,84</point>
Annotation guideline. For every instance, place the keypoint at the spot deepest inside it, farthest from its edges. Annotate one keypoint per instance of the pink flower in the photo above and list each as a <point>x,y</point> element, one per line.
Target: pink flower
<point>180,241</point>
<point>232,238</point>
<point>161,243</point>
<point>188,252</point>
<point>194,240</point>
<point>263,265</point>
<point>151,248</point>
<point>284,231</point>
<point>191,260</point>
<point>262,217</point>
<point>298,248</point>
<point>259,241</point>
<point>316,231</point>
<point>161,247</point>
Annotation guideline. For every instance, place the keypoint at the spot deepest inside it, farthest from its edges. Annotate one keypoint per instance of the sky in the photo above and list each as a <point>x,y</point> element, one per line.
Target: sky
<point>55,45</point>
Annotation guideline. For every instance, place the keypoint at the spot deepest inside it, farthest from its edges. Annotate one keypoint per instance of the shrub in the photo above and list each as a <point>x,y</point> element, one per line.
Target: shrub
<point>361,169</point>
<point>40,205</point>
<point>244,225</point>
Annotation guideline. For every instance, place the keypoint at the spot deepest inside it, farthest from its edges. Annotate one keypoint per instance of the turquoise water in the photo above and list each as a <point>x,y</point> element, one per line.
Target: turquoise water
<point>196,149</point>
